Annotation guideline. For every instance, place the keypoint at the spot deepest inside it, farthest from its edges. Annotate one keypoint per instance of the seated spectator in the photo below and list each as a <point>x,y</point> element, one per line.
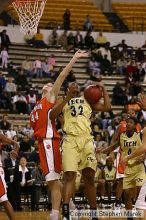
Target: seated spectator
<point>27,66</point>
<point>121,66</point>
<point>11,133</point>
<point>101,40</point>
<point>40,185</point>
<point>79,40</point>
<point>52,62</point>
<point>5,101</point>
<point>87,26</point>
<point>20,103</point>
<point>100,143</point>
<point>106,51</point>
<point>100,185</point>
<point>10,164</point>
<point>31,100</point>
<point>53,38</point>
<point>4,123</point>
<point>139,55</point>
<point>2,82</point>
<point>23,183</point>
<point>94,68</point>
<point>25,144</point>
<point>4,57</point>
<point>10,86</point>
<point>70,41</point>
<point>106,66</point>
<point>63,40</point>
<point>12,161</point>
<point>66,19</point>
<point>89,40</point>
<point>34,155</point>
<point>38,68</point>
<point>119,97</point>
<point>29,38</point>
<point>133,105</point>
<point>46,68</point>
<point>21,80</point>
<point>122,47</point>
<point>39,40</point>
<point>109,174</point>
<point>131,66</point>
<point>5,40</point>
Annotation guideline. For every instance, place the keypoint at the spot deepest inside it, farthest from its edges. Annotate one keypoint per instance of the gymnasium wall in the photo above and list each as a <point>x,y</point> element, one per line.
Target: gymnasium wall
<point>132,39</point>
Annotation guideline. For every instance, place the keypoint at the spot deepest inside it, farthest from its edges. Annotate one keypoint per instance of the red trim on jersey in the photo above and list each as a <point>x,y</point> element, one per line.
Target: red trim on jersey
<point>56,155</point>
<point>2,188</point>
<point>43,158</point>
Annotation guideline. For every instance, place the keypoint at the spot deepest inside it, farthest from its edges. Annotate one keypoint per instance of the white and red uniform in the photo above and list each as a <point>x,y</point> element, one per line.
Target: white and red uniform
<point>49,141</point>
<point>3,190</point>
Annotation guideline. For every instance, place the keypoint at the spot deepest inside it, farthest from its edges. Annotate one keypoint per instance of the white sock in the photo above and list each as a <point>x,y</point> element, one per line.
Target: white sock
<point>54,215</point>
<point>72,205</point>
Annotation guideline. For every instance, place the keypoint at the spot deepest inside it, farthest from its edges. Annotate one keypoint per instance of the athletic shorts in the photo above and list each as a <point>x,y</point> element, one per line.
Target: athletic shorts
<point>50,158</point>
<point>141,200</point>
<point>78,153</point>
<point>134,179</point>
<point>3,190</point>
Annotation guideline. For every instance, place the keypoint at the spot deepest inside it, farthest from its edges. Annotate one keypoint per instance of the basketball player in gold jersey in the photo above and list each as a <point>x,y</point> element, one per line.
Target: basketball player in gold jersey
<point>134,170</point>
<point>78,149</point>
<point>141,200</point>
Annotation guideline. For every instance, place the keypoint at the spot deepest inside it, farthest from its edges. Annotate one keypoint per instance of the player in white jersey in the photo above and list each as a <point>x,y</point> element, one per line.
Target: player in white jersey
<point>3,192</point>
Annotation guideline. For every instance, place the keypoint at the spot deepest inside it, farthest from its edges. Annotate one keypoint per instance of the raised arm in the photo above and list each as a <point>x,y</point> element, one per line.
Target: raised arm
<point>106,106</point>
<point>58,83</point>
<point>58,107</point>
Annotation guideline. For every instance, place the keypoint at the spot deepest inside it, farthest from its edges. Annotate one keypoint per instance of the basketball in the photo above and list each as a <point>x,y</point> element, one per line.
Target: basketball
<point>92,94</point>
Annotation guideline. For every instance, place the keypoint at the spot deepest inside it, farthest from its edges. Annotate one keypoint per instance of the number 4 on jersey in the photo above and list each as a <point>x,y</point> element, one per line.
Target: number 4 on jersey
<point>129,151</point>
<point>34,117</point>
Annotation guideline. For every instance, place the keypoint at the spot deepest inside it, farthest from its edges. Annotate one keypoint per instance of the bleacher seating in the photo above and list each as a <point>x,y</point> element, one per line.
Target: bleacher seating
<point>18,53</point>
<point>133,14</point>
<point>54,10</point>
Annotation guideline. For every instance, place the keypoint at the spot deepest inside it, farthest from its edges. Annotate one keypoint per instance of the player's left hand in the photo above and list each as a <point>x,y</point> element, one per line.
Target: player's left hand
<point>142,100</point>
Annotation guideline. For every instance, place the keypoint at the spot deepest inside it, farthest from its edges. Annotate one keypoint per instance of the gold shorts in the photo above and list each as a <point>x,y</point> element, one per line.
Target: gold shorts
<point>78,153</point>
<point>136,178</point>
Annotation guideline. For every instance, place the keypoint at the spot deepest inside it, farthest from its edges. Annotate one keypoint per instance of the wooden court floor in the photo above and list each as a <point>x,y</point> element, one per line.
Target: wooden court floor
<point>44,216</point>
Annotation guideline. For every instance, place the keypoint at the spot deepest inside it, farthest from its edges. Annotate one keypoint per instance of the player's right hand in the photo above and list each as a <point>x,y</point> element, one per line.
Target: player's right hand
<point>81,53</point>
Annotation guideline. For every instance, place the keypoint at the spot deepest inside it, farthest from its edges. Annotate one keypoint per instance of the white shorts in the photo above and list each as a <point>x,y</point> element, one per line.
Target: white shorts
<point>52,176</point>
<point>141,200</point>
<point>3,190</point>
<point>50,157</point>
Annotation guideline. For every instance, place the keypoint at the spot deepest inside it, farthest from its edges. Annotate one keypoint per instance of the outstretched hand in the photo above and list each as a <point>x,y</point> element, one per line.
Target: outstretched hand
<point>81,53</point>
<point>142,100</point>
